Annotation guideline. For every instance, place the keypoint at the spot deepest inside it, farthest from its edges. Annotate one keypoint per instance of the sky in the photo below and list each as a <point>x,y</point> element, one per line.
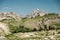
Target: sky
<point>27,6</point>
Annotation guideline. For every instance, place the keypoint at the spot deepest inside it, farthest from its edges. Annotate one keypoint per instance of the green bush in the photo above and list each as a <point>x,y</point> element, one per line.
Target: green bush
<point>15,29</point>
<point>23,29</point>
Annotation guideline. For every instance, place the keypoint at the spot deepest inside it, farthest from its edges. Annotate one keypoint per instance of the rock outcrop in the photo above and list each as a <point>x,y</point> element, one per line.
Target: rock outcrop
<point>8,15</point>
<point>37,12</point>
<point>40,23</point>
<point>6,19</point>
<point>4,29</point>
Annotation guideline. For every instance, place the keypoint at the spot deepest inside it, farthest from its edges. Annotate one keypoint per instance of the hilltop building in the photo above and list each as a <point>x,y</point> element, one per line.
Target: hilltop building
<point>37,12</point>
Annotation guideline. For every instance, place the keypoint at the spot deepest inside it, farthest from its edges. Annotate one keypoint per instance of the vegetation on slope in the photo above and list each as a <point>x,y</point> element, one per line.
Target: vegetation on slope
<point>29,24</point>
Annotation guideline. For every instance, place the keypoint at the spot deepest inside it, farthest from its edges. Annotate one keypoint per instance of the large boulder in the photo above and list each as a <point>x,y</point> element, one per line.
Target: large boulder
<point>32,24</point>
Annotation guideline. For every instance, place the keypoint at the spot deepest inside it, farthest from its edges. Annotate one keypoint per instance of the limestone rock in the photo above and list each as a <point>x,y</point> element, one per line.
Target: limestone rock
<point>32,24</point>
<point>4,29</point>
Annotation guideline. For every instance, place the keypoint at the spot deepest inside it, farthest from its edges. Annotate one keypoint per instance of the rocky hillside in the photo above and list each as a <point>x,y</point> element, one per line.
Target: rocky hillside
<point>11,25</point>
<point>41,21</point>
<point>18,24</point>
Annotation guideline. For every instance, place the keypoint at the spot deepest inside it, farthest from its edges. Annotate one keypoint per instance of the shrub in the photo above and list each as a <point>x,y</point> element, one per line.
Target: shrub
<point>15,29</point>
<point>23,29</point>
